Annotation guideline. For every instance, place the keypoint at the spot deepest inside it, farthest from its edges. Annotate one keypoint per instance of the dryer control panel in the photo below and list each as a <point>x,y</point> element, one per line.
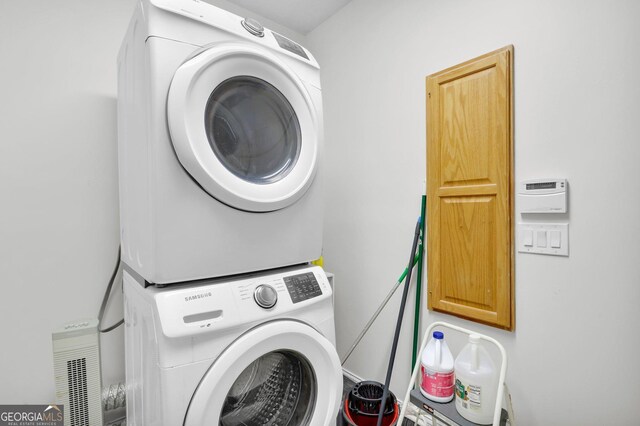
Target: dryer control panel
<point>289,45</point>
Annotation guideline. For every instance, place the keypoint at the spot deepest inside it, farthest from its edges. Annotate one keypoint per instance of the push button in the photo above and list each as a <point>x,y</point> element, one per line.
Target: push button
<point>527,237</point>
<point>555,238</point>
<point>542,239</point>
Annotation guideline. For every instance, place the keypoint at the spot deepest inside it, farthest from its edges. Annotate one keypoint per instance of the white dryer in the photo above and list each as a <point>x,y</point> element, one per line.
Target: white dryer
<point>257,350</point>
<point>219,141</point>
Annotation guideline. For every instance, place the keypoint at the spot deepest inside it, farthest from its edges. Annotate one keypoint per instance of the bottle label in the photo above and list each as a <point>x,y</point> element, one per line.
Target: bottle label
<point>469,395</point>
<point>437,384</point>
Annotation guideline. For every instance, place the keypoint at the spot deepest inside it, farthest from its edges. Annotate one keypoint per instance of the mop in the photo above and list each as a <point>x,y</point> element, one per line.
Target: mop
<point>394,347</point>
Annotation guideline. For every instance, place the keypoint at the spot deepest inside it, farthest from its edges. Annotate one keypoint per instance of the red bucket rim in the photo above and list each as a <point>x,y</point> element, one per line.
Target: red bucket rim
<point>394,420</point>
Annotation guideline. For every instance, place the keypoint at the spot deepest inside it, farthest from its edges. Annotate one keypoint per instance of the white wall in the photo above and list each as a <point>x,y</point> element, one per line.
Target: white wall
<point>58,180</point>
<point>576,116</point>
<point>573,354</point>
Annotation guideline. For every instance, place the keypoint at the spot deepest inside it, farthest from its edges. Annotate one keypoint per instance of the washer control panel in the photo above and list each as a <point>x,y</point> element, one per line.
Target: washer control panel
<point>302,286</point>
<point>226,303</point>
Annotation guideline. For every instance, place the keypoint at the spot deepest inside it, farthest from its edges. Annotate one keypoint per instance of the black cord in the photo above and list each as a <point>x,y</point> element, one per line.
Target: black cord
<point>107,296</point>
<point>113,327</point>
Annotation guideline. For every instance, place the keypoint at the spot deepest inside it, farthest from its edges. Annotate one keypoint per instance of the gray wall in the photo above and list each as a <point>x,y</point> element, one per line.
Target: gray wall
<point>576,116</point>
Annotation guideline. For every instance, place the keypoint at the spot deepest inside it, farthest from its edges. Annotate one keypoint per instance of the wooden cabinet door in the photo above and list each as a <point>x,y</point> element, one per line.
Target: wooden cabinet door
<point>469,189</point>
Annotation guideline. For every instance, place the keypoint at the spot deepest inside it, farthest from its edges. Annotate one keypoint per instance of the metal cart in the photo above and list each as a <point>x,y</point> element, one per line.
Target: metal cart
<point>446,413</point>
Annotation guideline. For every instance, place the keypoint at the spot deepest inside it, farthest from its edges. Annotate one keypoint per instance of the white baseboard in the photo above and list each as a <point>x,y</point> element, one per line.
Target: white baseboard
<point>349,375</point>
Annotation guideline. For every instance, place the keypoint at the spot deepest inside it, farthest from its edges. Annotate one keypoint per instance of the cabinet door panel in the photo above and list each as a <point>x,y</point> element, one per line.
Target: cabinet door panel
<point>466,106</point>
<point>469,185</point>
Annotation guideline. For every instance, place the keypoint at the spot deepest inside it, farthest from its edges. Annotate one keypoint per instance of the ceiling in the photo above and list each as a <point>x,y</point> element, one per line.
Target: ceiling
<point>301,16</point>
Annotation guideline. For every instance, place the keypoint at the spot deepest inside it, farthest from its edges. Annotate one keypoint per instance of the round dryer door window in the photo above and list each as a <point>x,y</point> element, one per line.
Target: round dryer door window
<point>244,126</point>
<point>282,373</point>
<point>253,130</point>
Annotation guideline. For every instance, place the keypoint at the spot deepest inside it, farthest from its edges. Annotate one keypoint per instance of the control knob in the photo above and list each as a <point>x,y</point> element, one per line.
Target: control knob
<point>254,27</point>
<point>265,296</point>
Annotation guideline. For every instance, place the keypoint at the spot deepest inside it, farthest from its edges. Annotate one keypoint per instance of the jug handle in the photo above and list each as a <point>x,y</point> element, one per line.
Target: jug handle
<point>474,357</point>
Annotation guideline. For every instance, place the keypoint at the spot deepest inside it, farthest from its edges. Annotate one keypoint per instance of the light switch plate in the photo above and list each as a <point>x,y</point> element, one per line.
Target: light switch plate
<point>545,231</point>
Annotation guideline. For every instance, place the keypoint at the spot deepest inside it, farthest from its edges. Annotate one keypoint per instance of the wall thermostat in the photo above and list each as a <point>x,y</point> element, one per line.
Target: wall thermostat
<point>543,196</point>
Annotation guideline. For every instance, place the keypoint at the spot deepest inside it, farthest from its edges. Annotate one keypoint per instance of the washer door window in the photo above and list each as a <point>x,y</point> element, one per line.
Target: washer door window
<point>278,388</point>
<point>244,127</point>
<point>283,373</point>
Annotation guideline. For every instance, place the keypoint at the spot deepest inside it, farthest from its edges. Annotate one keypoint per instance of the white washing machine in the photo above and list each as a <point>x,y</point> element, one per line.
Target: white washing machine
<point>219,140</point>
<point>256,350</point>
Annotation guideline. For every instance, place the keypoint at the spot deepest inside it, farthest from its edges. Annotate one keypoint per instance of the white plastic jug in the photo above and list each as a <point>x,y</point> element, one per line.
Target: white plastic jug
<point>436,368</point>
<point>476,383</point>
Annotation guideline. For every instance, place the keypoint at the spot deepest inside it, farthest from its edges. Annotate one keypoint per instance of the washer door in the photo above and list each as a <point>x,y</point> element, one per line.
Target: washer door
<point>283,373</point>
<point>244,127</point>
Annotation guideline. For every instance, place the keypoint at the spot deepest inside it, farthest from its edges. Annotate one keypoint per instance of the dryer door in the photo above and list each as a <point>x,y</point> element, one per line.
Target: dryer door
<point>283,373</point>
<point>244,127</point>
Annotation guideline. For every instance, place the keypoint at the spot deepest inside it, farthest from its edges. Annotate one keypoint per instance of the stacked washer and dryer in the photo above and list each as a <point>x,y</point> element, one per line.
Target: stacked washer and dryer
<point>219,145</point>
